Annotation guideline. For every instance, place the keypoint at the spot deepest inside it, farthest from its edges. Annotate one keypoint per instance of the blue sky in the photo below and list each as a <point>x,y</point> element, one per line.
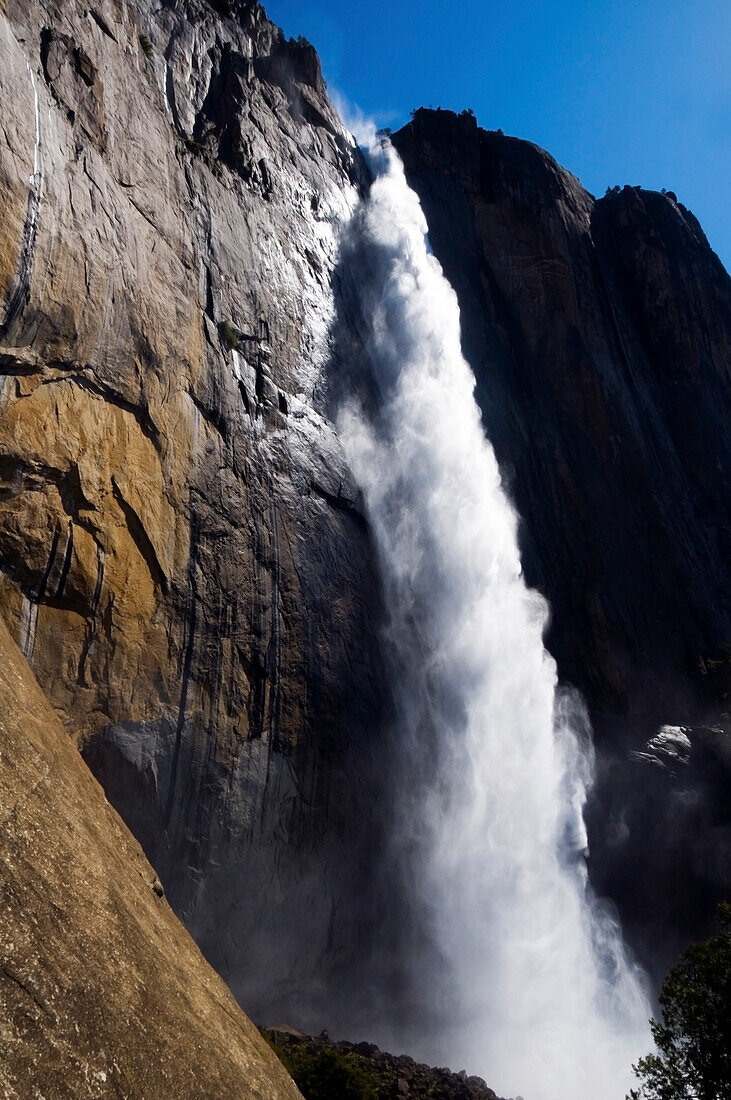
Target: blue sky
<point>618,92</point>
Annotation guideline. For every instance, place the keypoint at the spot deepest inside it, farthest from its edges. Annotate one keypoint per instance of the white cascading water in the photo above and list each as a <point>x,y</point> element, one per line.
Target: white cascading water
<point>538,994</point>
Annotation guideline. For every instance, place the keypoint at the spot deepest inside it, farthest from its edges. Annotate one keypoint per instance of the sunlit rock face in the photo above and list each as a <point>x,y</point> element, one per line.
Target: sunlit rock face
<point>183,557</point>
<point>103,992</point>
<point>600,336</point>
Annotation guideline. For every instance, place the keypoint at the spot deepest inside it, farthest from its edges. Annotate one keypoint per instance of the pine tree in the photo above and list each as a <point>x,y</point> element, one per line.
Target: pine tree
<point>693,1042</point>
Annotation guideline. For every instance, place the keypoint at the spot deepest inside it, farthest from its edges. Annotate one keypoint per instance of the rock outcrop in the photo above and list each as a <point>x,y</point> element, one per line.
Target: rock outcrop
<point>102,991</point>
<point>377,1074</point>
<point>600,337</point>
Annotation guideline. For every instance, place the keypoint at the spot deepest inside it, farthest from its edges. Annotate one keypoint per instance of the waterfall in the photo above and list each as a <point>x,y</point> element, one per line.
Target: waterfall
<point>527,981</point>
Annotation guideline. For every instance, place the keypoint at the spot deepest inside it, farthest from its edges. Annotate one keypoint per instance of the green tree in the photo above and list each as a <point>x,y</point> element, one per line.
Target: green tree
<point>693,1041</point>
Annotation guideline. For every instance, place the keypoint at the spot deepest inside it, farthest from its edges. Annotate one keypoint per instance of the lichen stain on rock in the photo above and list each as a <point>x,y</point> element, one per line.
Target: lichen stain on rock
<point>80,460</point>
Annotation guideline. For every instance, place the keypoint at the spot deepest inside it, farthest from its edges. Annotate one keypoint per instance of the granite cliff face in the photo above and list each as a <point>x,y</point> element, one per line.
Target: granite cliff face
<point>183,560</point>
<point>600,337</point>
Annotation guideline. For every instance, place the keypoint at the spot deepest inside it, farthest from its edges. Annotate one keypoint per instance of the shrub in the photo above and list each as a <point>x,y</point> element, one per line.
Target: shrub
<point>146,45</point>
<point>328,1076</point>
<point>325,1074</point>
<point>229,335</point>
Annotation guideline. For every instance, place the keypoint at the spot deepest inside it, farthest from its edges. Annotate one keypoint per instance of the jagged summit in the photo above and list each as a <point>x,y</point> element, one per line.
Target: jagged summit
<point>462,148</point>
